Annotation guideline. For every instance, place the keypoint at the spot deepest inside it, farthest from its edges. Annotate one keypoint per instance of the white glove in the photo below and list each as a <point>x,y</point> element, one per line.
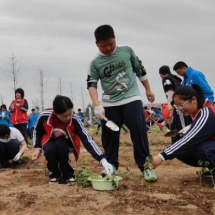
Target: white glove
<point>107,166</point>
<point>17,157</point>
<point>184,130</point>
<point>99,111</point>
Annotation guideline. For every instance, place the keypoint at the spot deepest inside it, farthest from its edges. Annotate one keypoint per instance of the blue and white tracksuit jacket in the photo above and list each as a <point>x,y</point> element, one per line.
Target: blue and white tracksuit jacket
<point>199,139</point>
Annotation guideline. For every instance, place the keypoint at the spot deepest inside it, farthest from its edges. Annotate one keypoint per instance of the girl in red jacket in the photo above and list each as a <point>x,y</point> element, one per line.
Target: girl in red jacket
<point>57,132</point>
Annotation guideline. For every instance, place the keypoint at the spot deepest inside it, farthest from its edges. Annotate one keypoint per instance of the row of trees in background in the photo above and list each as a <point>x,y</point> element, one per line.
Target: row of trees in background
<point>14,74</point>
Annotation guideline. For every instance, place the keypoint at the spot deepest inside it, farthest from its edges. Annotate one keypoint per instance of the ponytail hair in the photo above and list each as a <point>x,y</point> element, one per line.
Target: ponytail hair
<point>186,93</point>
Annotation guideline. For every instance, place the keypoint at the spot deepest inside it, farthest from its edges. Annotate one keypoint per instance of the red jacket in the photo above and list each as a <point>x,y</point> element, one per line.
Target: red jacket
<point>19,113</point>
<point>75,129</point>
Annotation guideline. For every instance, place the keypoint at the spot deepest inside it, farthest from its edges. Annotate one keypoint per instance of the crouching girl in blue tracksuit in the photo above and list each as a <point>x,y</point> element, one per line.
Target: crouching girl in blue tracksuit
<point>198,142</point>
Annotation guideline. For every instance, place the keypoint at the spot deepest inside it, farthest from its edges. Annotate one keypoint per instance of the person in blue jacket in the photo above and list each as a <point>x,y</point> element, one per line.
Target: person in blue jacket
<point>80,115</point>
<point>198,141</point>
<point>5,116</point>
<point>31,122</point>
<point>192,76</point>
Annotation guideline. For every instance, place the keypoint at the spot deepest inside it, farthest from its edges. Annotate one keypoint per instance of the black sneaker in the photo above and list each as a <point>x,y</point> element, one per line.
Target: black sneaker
<point>207,175</point>
<point>16,164</point>
<point>54,180</point>
<point>71,181</point>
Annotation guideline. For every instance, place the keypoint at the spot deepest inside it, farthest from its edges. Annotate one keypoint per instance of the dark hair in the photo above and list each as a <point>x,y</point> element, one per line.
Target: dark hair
<point>21,91</point>
<point>164,70</point>
<point>61,104</point>
<point>79,109</point>
<point>32,109</point>
<point>3,106</point>
<point>179,65</point>
<point>4,131</point>
<point>186,93</point>
<point>104,32</point>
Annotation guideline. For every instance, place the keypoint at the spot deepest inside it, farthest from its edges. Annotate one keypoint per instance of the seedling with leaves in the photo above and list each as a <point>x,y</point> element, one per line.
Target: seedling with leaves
<point>18,180</point>
<point>126,174</point>
<point>205,170</point>
<point>82,176</point>
<point>25,159</point>
<point>149,162</point>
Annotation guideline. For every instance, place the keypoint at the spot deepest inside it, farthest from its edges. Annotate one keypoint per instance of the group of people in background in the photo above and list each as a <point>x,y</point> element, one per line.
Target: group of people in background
<point>17,115</point>
<point>191,103</point>
<point>58,131</point>
<point>13,129</point>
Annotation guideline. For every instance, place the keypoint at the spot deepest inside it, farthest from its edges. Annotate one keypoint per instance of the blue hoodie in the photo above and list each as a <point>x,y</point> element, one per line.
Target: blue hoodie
<point>32,120</point>
<point>193,76</point>
<point>6,120</point>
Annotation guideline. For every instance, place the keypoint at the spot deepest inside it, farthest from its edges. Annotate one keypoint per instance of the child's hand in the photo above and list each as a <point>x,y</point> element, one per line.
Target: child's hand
<point>17,157</point>
<point>156,161</point>
<point>99,111</point>
<point>36,155</point>
<point>150,95</point>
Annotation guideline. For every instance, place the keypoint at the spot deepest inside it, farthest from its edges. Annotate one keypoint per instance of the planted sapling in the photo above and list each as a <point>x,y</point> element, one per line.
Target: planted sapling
<point>206,171</point>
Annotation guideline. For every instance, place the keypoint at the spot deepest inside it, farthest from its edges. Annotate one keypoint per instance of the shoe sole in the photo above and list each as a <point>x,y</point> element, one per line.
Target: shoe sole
<point>57,182</point>
<point>151,179</point>
<point>207,176</point>
<point>71,183</point>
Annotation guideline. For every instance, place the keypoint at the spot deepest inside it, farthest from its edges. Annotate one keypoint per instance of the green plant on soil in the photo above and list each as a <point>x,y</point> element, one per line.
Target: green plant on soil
<point>25,158</point>
<point>205,169</point>
<point>18,180</point>
<point>149,162</point>
<point>83,174</point>
<point>126,174</point>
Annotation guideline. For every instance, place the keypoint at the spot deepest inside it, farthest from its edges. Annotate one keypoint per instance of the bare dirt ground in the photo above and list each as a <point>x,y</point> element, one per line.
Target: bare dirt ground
<point>177,191</point>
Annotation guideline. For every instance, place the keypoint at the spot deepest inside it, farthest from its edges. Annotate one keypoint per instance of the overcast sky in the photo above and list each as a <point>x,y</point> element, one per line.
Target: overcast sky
<point>57,37</point>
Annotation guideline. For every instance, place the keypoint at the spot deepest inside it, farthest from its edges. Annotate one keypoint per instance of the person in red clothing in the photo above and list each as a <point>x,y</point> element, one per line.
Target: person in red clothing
<point>19,109</point>
<point>58,132</point>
